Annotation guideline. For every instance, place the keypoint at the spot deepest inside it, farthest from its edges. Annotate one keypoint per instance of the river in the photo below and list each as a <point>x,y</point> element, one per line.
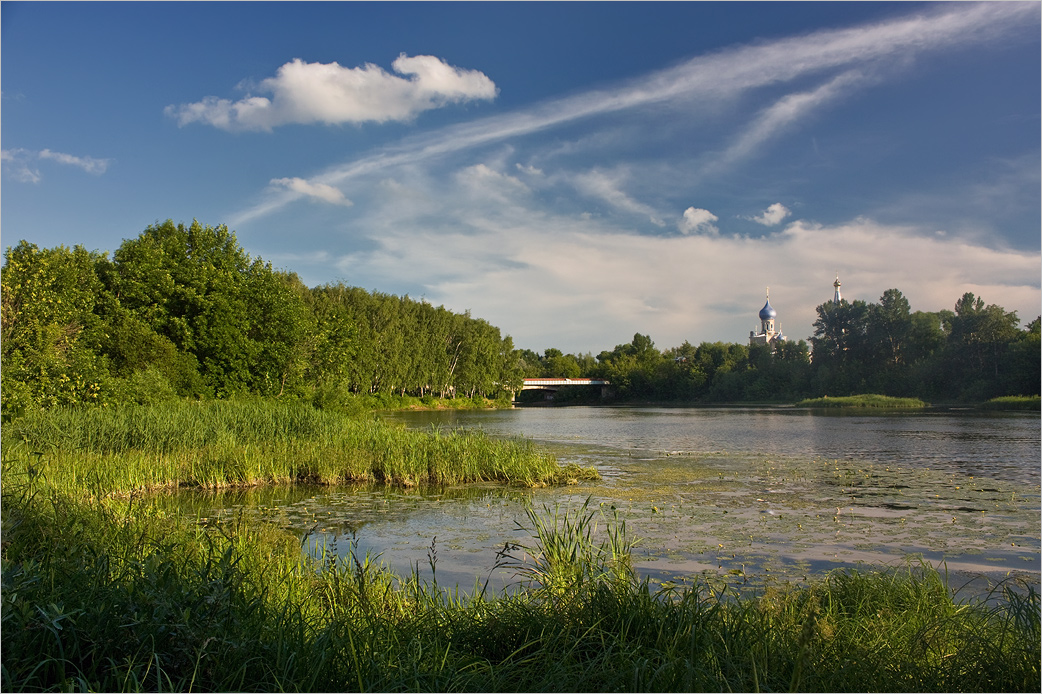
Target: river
<point>746,496</point>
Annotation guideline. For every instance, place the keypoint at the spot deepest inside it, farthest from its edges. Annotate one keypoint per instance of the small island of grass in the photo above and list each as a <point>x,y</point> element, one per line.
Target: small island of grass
<point>868,401</point>
<point>1013,402</point>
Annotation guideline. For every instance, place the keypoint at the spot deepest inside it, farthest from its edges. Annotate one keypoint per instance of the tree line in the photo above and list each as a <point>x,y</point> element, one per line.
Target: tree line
<point>184,311</point>
<point>971,353</point>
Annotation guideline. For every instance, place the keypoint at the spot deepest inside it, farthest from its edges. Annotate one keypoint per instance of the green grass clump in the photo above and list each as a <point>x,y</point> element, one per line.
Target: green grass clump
<point>113,595</point>
<point>1013,402</point>
<point>220,444</point>
<point>865,401</point>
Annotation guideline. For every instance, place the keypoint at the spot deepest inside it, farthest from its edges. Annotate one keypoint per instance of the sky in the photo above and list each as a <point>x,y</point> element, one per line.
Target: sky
<point>573,173</point>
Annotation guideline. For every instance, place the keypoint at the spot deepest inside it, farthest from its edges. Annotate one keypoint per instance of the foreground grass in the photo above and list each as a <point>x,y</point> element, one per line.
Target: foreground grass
<point>866,401</point>
<point>110,594</point>
<point>220,444</point>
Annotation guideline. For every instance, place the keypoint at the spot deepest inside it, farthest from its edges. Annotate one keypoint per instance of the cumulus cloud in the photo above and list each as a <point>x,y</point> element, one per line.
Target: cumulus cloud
<point>846,59</point>
<point>311,189</point>
<point>698,221</point>
<point>329,93</point>
<point>23,164</point>
<point>773,215</point>
<point>589,287</point>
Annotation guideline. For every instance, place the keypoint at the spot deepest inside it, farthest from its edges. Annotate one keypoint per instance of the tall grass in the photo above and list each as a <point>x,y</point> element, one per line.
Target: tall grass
<point>864,401</point>
<point>1013,402</point>
<point>218,444</point>
<point>112,595</point>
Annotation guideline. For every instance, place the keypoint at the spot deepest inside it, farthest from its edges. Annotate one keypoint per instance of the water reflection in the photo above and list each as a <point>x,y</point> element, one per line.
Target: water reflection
<point>738,493</point>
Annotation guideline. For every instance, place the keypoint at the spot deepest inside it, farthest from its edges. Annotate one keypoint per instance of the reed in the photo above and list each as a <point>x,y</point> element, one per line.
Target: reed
<point>870,401</point>
<point>1013,402</point>
<point>104,590</point>
<point>220,444</point>
<point>112,594</point>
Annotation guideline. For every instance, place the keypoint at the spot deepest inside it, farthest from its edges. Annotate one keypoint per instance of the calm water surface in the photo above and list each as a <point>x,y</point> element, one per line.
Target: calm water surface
<point>744,495</point>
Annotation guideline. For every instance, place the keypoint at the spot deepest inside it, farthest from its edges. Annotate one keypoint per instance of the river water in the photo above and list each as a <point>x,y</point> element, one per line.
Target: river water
<point>741,495</point>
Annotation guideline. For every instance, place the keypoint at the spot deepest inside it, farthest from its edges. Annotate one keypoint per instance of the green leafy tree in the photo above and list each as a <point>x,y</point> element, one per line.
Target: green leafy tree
<point>51,334</point>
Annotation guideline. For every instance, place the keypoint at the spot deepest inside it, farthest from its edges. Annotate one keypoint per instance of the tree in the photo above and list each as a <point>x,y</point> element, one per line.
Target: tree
<point>51,334</point>
<point>979,337</point>
<point>241,321</point>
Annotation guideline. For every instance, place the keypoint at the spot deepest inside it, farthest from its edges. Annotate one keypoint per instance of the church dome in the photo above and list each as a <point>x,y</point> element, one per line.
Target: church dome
<point>768,312</point>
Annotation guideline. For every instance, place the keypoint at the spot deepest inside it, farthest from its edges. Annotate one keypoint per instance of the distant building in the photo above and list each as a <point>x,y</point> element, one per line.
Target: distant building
<point>837,298</point>
<point>768,334</point>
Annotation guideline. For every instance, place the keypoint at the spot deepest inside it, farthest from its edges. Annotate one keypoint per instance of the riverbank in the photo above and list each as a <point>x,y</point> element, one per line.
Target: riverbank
<point>111,594</point>
<point>218,444</point>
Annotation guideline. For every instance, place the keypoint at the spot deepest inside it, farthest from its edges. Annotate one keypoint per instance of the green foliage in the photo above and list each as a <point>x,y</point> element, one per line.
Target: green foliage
<point>869,401</point>
<point>118,595</point>
<point>258,441</point>
<point>1013,402</point>
<point>50,332</point>
<point>184,309</point>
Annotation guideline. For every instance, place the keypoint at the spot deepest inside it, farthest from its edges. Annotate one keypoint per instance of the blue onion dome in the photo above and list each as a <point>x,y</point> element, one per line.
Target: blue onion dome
<point>767,312</point>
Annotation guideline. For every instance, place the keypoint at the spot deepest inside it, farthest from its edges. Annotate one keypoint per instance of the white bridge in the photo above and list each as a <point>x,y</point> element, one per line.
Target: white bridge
<point>555,383</point>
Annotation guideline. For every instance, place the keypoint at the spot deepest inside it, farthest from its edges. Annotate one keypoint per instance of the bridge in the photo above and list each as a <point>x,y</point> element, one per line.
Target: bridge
<point>550,386</point>
<point>556,383</point>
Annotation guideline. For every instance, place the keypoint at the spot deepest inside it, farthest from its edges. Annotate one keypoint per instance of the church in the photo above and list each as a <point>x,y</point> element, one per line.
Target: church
<point>769,334</point>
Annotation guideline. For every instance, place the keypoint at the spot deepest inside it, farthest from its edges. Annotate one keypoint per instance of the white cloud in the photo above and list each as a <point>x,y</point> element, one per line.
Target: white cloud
<point>589,287</point>
<point>845,59</point>
<point>773,215</point>
<point>607,186</point>
<point>91,165</point>
<point>785,112</point>
<point>18,164</point>
<point>698,221</point>
<point>23,165</point>
<point>329,93</point>
<point>310,189</point>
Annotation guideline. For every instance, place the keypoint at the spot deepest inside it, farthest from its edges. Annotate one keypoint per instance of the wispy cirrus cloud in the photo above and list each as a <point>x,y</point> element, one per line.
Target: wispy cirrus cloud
<point>23,164</point>
<point>329,93</point>
<point>608,186</point>
<point>591,285</point>
<point>841,62</point>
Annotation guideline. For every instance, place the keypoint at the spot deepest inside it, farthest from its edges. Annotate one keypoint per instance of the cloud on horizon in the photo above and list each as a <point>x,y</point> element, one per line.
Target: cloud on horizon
<point>328,93</point>
<point>561,240</point>
<point>571,283</point>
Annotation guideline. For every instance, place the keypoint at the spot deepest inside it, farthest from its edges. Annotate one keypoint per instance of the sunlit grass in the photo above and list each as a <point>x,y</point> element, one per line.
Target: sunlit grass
<point>1014,402</point>
<point>112,594</point>
<point>865,401</point>
<point>220,444</point>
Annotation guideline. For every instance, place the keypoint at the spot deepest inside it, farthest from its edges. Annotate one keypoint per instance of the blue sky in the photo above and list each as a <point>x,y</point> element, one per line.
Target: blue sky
<point>572,172</point>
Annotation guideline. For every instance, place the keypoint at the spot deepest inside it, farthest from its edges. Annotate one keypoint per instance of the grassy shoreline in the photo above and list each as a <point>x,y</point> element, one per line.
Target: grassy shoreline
<point>226,443</point>
<point>103,590</point>
<point>116,595</point>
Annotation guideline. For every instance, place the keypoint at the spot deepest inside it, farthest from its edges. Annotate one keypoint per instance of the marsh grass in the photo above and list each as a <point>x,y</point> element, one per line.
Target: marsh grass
<point>864,401</point>
<point>112,594</point>
<point>221,444</point>
<point>1013,402</point>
